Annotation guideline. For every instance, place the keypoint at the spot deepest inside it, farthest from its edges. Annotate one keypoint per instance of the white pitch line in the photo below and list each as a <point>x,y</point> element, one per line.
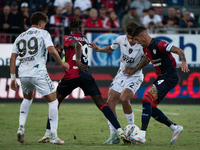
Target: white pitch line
<point>95,146</point>
<point>140,110</point>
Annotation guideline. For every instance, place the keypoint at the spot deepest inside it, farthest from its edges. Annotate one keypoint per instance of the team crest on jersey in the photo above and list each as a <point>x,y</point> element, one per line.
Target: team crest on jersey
<point>130,51</point>
<point>154,51</point>
<point>125,45</point>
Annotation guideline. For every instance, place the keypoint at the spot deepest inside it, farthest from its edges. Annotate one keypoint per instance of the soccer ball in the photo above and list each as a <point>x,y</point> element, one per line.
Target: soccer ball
<point>131,130</point>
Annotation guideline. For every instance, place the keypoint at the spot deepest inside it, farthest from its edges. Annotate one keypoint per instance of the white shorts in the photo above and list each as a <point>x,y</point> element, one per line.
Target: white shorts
<point>120,83</point>
<point>43,85</point>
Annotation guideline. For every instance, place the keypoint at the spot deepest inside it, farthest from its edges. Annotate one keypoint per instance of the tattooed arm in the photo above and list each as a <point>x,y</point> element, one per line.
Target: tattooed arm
<point>131,71</point>
<point>180,52</point>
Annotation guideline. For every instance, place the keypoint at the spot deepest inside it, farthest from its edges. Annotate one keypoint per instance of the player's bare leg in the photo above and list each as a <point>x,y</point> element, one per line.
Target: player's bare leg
<point>24,109</point>
<point>125,98</point>
<point>113,100</point>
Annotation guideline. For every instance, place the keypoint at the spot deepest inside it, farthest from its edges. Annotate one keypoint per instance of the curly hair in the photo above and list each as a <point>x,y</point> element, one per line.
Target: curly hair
<point>130,27</point>
<point>75,23</point>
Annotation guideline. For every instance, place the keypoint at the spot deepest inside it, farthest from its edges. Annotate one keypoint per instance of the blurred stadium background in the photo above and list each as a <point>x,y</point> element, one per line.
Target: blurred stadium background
<point>174,26</point>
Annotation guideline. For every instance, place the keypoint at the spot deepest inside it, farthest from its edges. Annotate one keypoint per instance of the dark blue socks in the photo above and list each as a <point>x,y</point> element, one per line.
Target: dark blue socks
<point>146,115</point>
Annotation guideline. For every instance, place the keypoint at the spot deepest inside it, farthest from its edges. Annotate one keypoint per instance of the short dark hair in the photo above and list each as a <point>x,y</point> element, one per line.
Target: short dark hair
<point>37,17</point>
<point>77,8</point>
<point>75,23</point>
<point>138,30</point>
<point>130,27</point>
<point>152,8</point>
<point>145,11</point>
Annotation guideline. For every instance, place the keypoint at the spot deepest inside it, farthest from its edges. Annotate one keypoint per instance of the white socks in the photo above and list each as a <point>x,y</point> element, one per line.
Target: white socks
<point>173,127</point>
<point>120,130</point>
<point>142,133</point>
<point>53,117</point>
<point>130,118</point>
<point>48,132</point>
<point>24,109</point>
<point>112,128</point>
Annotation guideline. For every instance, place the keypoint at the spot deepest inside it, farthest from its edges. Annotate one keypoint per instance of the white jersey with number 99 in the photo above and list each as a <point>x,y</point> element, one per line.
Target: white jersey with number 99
<point>31,47</point>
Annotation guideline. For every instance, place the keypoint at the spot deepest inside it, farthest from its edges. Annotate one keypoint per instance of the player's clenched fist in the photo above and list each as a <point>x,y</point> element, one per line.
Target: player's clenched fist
<point>14,85</point>
<point>65,65</point>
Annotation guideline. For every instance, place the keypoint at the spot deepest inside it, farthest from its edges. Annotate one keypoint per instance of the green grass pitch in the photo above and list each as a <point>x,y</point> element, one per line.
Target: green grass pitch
<point>83,126</point>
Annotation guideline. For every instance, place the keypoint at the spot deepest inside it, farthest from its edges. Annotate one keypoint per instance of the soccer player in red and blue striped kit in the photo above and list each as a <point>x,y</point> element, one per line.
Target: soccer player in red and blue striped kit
<point>79,75</point>
<point>159,54</point>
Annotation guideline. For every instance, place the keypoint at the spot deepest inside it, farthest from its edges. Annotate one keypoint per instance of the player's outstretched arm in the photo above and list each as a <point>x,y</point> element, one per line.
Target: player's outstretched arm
<point>78,48</point>
<point>13,84</point>
<point>180,52</point>
<point>56,56</point>
<point>131,71</point>
<point>106,49</point>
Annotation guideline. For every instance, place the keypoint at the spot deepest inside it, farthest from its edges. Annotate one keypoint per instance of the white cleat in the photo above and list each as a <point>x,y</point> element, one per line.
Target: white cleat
<point>45,139</point>
<point>122,135</point>
<point>124,138</point>
<point>57,141</point>
<point>176,133</point>
<point>137,138</point>
<point>113,139</point>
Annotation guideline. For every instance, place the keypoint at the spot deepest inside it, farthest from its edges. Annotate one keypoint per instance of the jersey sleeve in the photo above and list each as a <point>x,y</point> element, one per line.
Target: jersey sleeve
<point>116,44</point>
<point>163,46</point>
<point>47,40</point>
<point>67,40</point>
<point>15,49</point>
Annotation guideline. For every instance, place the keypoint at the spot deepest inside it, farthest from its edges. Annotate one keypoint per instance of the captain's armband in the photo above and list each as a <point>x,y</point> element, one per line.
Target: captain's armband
<point>170,48</point>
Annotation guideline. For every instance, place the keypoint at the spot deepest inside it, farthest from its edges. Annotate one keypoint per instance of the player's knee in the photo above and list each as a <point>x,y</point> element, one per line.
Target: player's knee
<point>148,97</point>
<point>108,102</point>
<point>111,99</point>
<point>125,101</point>
<point>124,98</point>
<point>111,104</point>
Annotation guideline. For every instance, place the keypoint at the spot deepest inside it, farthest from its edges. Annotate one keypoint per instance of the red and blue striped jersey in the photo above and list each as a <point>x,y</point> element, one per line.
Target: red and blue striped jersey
<point>158,52</point>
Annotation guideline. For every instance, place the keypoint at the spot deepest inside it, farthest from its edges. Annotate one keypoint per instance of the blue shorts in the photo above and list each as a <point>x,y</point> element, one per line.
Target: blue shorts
<point>86,83</point>
<point>165,83</point>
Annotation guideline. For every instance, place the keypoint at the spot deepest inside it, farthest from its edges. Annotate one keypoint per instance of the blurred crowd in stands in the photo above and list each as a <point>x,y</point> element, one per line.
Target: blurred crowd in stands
<point>100,14</point>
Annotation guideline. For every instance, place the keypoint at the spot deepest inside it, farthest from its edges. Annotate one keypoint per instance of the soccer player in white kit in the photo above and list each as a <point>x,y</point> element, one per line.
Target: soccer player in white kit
<point>123,88</point>
<point>31,47</point>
